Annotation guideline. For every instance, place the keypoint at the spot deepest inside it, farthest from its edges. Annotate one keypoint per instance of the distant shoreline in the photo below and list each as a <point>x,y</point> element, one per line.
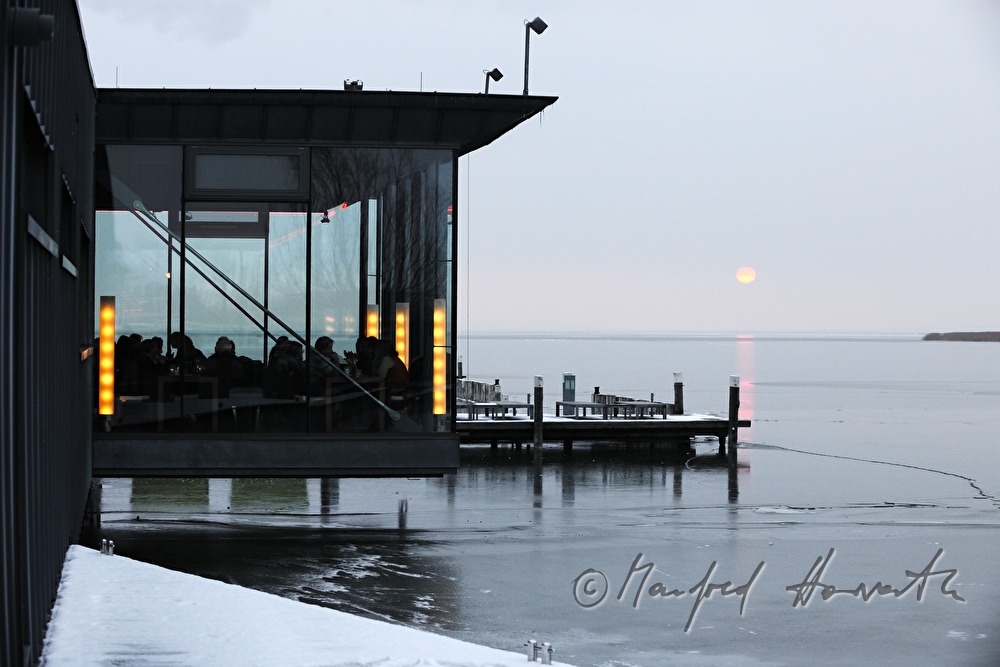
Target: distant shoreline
<point>976,336</point>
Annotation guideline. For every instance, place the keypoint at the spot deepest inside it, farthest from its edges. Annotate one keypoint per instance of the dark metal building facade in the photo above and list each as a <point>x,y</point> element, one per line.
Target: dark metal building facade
<point>47,102</point>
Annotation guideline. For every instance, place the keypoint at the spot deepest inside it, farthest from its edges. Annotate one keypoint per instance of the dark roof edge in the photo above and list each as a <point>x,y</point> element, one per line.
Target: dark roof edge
<point>314,96</point>
<point>498,113</point>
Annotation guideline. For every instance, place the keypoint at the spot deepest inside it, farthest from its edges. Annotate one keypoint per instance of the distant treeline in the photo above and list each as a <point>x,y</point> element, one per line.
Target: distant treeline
<point>978,336</point>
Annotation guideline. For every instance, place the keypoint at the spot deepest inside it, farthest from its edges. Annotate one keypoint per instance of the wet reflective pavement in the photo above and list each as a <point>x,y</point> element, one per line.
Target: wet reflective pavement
<point>617,556</point>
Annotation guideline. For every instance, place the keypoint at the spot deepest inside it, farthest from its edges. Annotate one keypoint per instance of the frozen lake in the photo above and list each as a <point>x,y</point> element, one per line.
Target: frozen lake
<point>869,461</point>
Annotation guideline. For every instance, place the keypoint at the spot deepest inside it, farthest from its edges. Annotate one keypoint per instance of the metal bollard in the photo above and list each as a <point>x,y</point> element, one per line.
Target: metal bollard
<point>104,547</point>
<point>111,547</point>
<point>547,653</point>
<point>532,649</point>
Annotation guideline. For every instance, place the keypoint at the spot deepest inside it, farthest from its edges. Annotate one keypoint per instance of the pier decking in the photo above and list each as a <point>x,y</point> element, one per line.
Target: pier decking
<point>567,430</point>
<point>612,418</point>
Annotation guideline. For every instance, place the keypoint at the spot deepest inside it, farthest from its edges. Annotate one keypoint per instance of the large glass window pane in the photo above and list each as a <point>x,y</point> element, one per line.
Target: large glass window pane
<point>246,172</point>
<point>249,296</point>
<point>336,277</point>
<point>403,197</point>
<point>285,374</point>
<point>257,172</point>
<point>214,310</point>
<point>138,191</point>
<point>286,273</point>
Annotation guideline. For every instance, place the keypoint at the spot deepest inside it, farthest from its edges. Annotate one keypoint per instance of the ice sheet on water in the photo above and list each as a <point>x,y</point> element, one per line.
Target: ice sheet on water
<point>784,509</point>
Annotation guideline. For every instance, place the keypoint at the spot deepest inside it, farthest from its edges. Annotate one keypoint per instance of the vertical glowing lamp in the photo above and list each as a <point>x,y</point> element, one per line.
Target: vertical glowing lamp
<point>403,331</point>
<point>106,358</point>
<point>440,358</point>
<point>371,327</point>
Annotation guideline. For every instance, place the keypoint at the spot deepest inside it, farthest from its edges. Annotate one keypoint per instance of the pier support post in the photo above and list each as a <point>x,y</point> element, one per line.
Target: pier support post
<point>734,417</point>
<point>678,393</point>
<point>538,424</point>
<point>568,447</point>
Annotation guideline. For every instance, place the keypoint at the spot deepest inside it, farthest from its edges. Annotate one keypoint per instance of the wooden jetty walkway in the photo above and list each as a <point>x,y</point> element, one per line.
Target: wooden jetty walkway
<point>614,420</point>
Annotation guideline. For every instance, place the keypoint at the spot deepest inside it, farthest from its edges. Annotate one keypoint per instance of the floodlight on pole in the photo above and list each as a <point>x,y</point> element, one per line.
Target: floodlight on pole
<point>494,74</point>
<point>539,26</point>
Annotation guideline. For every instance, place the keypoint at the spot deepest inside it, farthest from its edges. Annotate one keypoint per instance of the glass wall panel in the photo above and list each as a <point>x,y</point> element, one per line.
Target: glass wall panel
<point>222,319</point>
<point>336,277</point>
<point>219,309</point>
<point>331,315</point>
<point>403,197</point>
<point>259,172</point>
<point>137,192</point>
<point>246,172</point>
<point>244,312</point>
<point>286,375</point>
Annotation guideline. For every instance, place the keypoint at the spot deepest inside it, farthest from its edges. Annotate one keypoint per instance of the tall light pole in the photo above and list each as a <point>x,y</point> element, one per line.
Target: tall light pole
<point>539,26</point>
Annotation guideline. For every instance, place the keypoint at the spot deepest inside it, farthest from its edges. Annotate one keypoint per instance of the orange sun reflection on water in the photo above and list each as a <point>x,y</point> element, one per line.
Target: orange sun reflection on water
<point>746,366</point>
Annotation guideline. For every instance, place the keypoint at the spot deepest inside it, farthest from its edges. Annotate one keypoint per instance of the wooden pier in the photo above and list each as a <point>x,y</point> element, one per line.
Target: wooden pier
<point>567,430</point>
<point>611,419</point>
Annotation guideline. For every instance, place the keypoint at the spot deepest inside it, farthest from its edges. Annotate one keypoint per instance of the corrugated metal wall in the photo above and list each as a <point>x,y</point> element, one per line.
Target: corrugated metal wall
<point>46,316</point>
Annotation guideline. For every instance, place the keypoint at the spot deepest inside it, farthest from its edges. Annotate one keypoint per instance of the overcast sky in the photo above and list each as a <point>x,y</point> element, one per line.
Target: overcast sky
<point>849,151</point>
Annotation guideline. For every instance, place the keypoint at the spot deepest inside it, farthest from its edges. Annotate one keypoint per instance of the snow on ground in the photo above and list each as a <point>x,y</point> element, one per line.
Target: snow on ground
<point>113,610</point>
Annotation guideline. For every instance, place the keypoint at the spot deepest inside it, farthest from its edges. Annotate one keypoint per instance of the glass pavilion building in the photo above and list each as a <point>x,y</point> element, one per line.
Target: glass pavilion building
<point>236,234</point>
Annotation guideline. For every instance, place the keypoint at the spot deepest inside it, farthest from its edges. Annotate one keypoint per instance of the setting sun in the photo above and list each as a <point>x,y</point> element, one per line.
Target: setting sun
<point>746,274</point>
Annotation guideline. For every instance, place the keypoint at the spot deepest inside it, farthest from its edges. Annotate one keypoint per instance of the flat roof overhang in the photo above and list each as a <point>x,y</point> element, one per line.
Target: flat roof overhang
<point>272,455</point>
<point>458,121</point>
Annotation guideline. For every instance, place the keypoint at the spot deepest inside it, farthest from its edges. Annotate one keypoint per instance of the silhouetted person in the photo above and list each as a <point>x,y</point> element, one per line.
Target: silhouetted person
<point>148,366</point>
<point>286,371</point>
<point>280,346</point>
<point>366,349</point>
<point>225,365</point>
<point>156,349</point>
<point>188,356</point>
<point>323,363</point>
<point>391,369</point>
<point>125,375</point>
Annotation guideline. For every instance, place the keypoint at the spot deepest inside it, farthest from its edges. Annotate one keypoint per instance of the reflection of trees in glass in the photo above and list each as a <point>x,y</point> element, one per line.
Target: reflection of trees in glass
<point>416,229</point>
<point>352,177</point>
<point>336,274</point>
<point>287,269</point>
<point>414,190</point>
